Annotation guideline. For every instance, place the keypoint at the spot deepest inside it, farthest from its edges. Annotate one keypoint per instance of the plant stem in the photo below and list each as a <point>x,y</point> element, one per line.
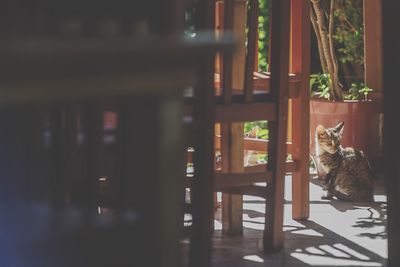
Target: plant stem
<point>319,42</point>
<point>327,52</point>
<point>335,77</point>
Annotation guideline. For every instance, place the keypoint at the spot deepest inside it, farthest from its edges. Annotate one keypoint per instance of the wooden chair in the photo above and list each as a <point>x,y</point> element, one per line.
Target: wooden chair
<point>199,135</point>
<point>245,94</point>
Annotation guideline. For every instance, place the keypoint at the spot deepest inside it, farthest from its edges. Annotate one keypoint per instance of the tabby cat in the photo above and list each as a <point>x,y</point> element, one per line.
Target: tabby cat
<point>348,170</point>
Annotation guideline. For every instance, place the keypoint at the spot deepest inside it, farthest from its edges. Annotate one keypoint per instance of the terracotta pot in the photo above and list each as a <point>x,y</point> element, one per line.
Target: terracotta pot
<point>363,123</point>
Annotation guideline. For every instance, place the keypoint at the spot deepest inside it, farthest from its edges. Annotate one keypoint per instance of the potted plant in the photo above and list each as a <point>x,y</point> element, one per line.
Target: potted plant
<point>333,100</point>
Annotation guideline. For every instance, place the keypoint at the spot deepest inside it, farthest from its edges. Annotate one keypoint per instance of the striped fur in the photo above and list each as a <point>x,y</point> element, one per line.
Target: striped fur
<point>348,170</point>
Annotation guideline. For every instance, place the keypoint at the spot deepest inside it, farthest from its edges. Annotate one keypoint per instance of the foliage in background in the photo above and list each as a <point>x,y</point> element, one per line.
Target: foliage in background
<point>319,85</point>
<point>349,31</point>
<point>256,129</point>
<point>263,34</point>
<point>319,88</point>
<point>338,27</point>
<point>358,91</point>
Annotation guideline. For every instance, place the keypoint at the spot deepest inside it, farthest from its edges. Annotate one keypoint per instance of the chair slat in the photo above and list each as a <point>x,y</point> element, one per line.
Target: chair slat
<point>227,57</point>
<point>252,190</point>
<point>251,50</point>
<point>261,84</point>
<point>258,145</point>
<point>240,179</point>
<point>245,112</point>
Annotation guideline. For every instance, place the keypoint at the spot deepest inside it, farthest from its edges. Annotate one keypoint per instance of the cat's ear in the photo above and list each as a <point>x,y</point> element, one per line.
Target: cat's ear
<point>320,130</point>
<point>339,128</point>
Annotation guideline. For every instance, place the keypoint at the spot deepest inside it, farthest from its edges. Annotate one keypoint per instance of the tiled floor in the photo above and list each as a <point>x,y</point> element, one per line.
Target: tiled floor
<point>336,234</point>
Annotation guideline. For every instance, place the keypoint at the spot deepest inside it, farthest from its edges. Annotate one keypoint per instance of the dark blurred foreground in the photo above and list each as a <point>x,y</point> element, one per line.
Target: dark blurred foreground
<point>67,197</point>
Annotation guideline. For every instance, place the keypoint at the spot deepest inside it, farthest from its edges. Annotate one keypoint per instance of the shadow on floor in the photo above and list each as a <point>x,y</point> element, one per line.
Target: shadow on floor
<point>307,243</point>
<point>322,247</point>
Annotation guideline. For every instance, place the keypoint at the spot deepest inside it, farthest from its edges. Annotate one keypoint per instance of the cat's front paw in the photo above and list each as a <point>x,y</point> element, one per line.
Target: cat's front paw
<point>327,195</point>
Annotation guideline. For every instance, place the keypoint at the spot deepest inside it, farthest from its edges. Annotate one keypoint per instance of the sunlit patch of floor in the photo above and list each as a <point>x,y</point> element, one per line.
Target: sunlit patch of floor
<point>361,223</point>
<point>334,255</point>
<point>336,234</point>
<point>254,258</point>
<point>318,260</point>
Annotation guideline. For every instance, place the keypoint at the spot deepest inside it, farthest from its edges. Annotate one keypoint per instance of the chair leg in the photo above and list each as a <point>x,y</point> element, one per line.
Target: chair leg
<point>232,213</point>
<point>301,178</point>
<point>232,151</point>
<point>300,63</point>
<point>273,233</point>
<point>271,241</point>
<point>279,62</point>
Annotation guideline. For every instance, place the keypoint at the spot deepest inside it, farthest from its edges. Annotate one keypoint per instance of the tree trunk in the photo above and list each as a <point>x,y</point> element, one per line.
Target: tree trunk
<point>335,78</point>
<point>325,46</point>
<point>319,42</point>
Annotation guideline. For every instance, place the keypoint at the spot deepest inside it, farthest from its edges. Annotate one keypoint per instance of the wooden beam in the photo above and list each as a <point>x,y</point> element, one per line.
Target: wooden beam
<point>300,63</point>
<point>280,27</point>
<point>203,184</point>
<point>252,190</point>
<point>227,71</point>
<point>373,44</point>
<point>252,40</point>
<point>239,57</point>
<point>261,83</point>
<point>240,179</point>
<point>252,174</point>
<point>291,166</point>
<point>219,24</point>
<point>245,112</point>
<point>255,144</point>
<point>217,165</point>
<point>232,205</point>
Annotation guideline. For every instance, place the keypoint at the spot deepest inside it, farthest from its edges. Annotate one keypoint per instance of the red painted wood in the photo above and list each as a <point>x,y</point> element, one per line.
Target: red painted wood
<point>300,63</point>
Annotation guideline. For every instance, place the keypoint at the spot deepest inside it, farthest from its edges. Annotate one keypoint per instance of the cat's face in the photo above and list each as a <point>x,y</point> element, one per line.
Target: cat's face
<point>329,138</point>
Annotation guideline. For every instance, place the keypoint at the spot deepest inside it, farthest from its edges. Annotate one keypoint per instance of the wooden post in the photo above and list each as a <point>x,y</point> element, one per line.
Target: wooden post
<point>373,44</point>
<point>219,25</point>
<point>232,205</point>
<point>203,184</point>
<point>300,63</point>
<point>239,57</point>
<point>280,27</point>
<point>373,65</point>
